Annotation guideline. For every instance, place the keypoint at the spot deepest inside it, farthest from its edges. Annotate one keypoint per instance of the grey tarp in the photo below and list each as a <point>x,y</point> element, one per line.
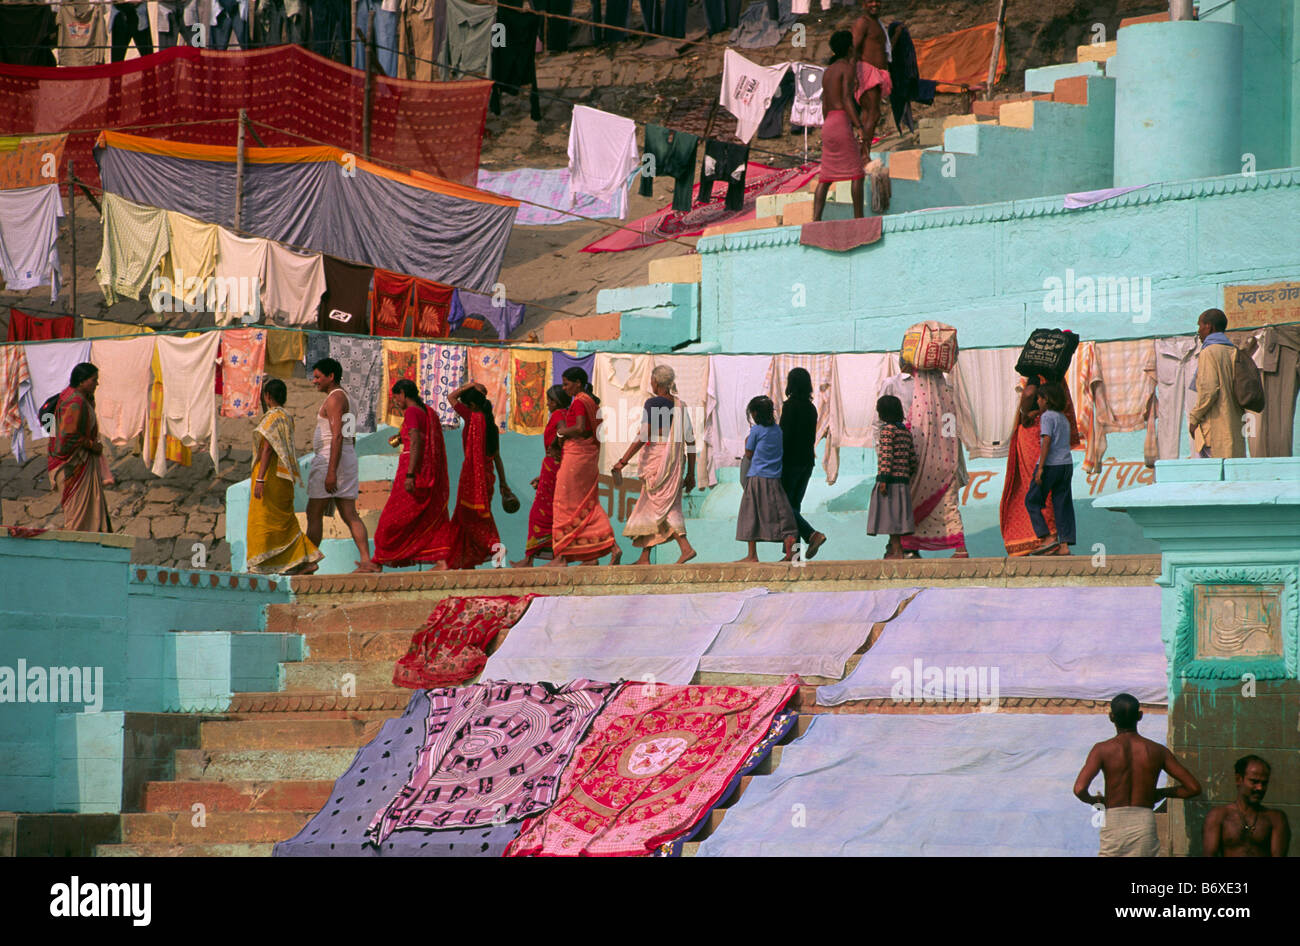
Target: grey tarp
<point>366,218</point>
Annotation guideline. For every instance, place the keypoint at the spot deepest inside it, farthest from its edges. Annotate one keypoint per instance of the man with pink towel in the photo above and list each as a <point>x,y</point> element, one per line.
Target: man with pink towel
<point>841,153</point>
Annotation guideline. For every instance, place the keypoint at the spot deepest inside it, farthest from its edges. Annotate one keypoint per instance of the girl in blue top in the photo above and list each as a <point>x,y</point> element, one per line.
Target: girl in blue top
<point>1052,476</point>
<point>765,512</point>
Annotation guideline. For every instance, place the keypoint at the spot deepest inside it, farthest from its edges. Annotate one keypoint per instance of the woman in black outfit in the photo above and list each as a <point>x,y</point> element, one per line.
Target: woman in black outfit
<point>799,429</point>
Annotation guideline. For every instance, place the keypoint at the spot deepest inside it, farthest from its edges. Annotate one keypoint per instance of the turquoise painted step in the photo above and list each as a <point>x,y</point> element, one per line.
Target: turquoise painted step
<point>658,317</point>
<point>202,669</point>
<point>262,764</point>
<point>1069,148</point>
<point>1043,79</point>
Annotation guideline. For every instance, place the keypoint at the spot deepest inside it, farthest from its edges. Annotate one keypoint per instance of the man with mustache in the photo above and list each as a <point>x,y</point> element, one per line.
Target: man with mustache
<point>1246,828</point>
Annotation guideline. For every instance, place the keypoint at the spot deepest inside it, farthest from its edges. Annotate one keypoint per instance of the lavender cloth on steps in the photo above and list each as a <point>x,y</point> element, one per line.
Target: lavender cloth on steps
<point>1073,643</point>
<point>1088,198</point>
<point>379,771</point>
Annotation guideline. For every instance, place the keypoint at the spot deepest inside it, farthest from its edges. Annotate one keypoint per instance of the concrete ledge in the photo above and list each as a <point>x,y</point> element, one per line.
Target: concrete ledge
<point>56,835</point>
<point>106,539</point>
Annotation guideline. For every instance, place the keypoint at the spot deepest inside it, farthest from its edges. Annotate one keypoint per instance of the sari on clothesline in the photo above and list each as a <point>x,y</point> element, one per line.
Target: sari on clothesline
<point>75,469</point>
<point>409,525</point>
<point>657,516</point>
<point>1026,441</point>
<point>470,537</point>
<point>275,539</point>
<point>934,484</point>
<point>541,518</point>
<point>581,530</point>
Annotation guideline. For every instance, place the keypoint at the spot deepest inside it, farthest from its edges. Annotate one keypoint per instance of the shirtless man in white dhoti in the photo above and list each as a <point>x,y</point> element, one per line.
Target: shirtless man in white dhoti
<point>1132,764</point>
<point>334,477</point>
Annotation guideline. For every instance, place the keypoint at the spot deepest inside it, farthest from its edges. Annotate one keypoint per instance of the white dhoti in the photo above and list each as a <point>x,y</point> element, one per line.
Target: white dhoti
<point>1129,832</point>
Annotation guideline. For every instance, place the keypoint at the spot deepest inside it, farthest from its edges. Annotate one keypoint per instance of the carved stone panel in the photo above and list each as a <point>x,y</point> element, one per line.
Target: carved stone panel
<point>1238,621</point>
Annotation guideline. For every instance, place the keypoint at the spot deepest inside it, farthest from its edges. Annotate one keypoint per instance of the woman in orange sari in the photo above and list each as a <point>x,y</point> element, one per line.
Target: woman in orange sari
<point>541,517</point>
<point>1017,531</point>
<point>76,461</point>
<point>471,537</point>
<point>581,530</point>
<point>417,506</point>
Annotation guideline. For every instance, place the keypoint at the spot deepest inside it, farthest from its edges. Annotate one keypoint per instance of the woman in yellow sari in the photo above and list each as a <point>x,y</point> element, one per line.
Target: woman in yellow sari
<point>275,540</point>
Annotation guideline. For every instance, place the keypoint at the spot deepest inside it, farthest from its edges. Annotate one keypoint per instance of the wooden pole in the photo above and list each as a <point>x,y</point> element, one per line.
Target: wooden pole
<point>239,168</point>
<point>370,81</point>
<point>72,226</point>
<point>997,48</point>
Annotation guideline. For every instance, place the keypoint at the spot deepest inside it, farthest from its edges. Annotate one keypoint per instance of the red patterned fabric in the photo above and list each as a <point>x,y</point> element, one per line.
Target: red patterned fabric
<point>451,647</point>
<point>541,517</point>
<point>436,127</point>
<point>431,306</point>
<point>390,303</point>
<point>656,760</point>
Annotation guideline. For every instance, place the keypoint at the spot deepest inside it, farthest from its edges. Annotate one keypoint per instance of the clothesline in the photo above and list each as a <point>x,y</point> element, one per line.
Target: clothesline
<point>305,249</point>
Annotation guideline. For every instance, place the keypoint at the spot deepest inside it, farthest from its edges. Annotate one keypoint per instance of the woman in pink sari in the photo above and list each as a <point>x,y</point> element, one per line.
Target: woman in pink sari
<point>666,444</point>
<point>938,461</point>
<point>76,463</point>
<point>581,531</point>
<point>541,518</point>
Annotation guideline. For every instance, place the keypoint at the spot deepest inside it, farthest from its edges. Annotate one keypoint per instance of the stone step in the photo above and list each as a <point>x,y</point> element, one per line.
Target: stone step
<point>317,593</point>
<point>357,645</point>
<point>391,700</point>
<point>331,674</point>
<point>265,765</point>
<point>287,734</point>
<point>333,617</point>
<point>240,849</point>
<point>364,716</point>
<point>237,795</point>
<point>222,827</point>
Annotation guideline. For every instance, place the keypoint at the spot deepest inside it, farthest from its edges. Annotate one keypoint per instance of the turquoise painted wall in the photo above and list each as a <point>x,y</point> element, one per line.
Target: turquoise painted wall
<point>82,604</point>
<point>1178,102</point>
<point>984,269</point>
<point>1270,79</point>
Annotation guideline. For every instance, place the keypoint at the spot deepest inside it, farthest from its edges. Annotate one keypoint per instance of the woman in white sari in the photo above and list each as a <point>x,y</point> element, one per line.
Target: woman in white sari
<point>666,444</point>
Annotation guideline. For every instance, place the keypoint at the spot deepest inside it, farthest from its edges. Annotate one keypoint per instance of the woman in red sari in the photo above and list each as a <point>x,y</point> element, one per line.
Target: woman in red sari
<point>471,537</point>
<point>76,461</point>
<point>581,530</point>
<point>542,516</point>
<point>1017,531</point>
<point>417,506</point>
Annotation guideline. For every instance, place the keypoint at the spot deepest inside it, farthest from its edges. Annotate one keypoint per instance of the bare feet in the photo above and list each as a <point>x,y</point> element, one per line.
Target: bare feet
<point>686,556</point>
<point>643,560</point>
<point>1047,547</point>
<point>306,568</point>
<point>439,567</point>
<point>616,556</point>
<point>814,543</point>
<point>522,563</point>
<point>961,553</point>
<point>1061,549</point>
<point>367,568</point>
<point>747,558</point>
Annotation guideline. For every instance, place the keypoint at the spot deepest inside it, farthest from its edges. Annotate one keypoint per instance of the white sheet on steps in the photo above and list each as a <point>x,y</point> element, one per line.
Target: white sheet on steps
<point>968,785</point>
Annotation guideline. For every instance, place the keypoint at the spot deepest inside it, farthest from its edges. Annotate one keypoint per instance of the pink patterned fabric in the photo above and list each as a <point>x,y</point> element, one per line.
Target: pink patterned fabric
<point>243,360</point>
<point>493,753</point>
<point>657,759</point>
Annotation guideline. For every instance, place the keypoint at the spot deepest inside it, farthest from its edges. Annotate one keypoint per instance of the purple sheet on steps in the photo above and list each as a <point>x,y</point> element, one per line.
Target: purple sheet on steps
<point>376,775</point>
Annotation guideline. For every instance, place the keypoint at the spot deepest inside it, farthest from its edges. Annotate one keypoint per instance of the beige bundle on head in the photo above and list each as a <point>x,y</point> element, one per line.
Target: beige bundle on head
<point>930,346</point>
